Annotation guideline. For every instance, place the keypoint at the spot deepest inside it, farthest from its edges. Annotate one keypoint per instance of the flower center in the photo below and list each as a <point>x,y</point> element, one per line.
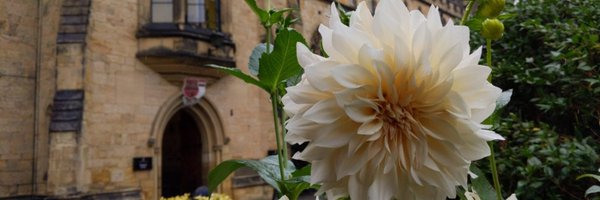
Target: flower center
<point>400,134</point>
<point>397,119</point>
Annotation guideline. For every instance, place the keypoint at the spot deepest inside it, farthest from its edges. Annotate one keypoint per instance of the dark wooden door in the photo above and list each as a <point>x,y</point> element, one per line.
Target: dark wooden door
<point>181,156</point>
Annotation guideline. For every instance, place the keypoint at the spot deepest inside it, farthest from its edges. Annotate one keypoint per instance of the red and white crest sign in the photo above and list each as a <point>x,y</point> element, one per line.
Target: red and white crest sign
<point>193,90</point>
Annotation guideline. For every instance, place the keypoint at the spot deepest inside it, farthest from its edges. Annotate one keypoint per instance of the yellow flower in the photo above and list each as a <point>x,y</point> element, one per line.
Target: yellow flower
<point>214,196</point>
<point>396,110</point>
<point>185,196</point>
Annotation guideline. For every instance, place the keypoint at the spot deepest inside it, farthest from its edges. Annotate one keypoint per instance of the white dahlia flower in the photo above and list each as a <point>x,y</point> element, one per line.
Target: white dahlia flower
<point>395,112</point>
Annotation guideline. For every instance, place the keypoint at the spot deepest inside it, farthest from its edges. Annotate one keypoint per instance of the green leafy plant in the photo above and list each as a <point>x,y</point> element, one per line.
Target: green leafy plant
<point>534,157</point>
<point>550,57</point>
<point>272,66</point>
<point>594,188</point>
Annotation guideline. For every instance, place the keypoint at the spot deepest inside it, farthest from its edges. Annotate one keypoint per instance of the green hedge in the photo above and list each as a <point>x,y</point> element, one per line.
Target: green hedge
<point>549,56</point>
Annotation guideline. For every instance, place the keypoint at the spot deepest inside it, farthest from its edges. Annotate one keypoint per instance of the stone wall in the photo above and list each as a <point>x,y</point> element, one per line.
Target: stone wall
<point>123,98</point>
<point>17,83</point>
<point>26,82</point>
<point>47,87</point>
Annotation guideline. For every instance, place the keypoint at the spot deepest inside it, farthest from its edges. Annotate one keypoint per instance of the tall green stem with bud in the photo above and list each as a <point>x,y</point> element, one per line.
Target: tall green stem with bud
<point>493,166</point>
<point>467,12</point>
<point>492,29</point>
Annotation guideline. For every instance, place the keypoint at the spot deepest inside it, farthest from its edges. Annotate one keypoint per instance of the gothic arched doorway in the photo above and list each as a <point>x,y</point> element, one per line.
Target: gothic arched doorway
<point>207,131</point>
<point>182,166</point>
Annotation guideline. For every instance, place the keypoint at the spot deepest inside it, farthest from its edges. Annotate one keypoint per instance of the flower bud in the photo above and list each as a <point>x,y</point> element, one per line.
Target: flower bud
<point>490,8</point>
<point>492,29</point>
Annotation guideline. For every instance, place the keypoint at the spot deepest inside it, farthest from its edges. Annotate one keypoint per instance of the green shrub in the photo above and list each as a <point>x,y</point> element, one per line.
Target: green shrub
<point>536,163</point>
<point>549,55</point>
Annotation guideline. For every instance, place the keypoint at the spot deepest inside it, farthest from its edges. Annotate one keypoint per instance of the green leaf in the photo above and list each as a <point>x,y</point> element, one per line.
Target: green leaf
<point>344,15</point>
<point>507,16</point>
<point>258,51</point>
<point>267,169</point>
<point>592,190</point>
<point>593,38</point>
<point>475,23</point>
<point>597,177</point>
<point>305,171</point>
<point>482,185</point>
<point>278,15</point>
<point>282,63</point>
<point>222,171</point>
<point>295,187</point>
<point>534,161</point>
<point>262,14</point>
<point>294,80</point>
<point>299,181</point>
<point>286,22</point>
<point>241,75</point>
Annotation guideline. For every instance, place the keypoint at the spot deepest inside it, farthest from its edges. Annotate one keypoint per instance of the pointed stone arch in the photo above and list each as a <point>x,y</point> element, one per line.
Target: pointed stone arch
<point>208,122</point>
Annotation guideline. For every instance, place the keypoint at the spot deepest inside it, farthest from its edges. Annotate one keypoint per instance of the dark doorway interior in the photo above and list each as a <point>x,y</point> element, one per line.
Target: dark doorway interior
<point>181,155</point>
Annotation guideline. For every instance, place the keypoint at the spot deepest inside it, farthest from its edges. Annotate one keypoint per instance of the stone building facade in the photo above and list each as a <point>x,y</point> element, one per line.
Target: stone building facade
<point>91,102</point>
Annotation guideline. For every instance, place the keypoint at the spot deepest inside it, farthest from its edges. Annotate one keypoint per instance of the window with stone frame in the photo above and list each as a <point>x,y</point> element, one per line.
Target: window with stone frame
<point>204,14</point>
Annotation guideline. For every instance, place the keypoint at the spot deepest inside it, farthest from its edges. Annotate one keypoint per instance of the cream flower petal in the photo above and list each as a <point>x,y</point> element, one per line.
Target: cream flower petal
<point>489,135</point>
<point>478,115</point>
<point>470,78</point>
<point>434,21</point>
<point>284,198</point>
<point>306,94</point>
<point>370,128</point>
<point>361,110</point>
<point>320,77</point>
<point>326,36</point>
<point>305,57</point>
<point>395,112</point>
<point>323,112</point>
<point>362,21</point>
<point>334,135</point>
<point>352,76</point>
<point>291,108</point>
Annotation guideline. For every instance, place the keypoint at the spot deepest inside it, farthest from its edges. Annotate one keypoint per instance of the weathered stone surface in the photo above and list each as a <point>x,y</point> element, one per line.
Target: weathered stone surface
<point>71,38</point>
<point>73,28</point>
<point>67,112</point>
<point>17,85</point>
<point>68,11</point>
<point>76,3</point>
<point>73,21</point>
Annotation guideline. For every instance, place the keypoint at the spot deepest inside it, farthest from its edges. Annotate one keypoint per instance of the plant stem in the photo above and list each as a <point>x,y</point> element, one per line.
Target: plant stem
<point>488,58</point>
<point>274,99</point>
<point>467,12</point>
<point>488,55</point>
<point>268,42</point>
<point>282,130</point>
<point>495,171</point>
<point>283,133</point>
